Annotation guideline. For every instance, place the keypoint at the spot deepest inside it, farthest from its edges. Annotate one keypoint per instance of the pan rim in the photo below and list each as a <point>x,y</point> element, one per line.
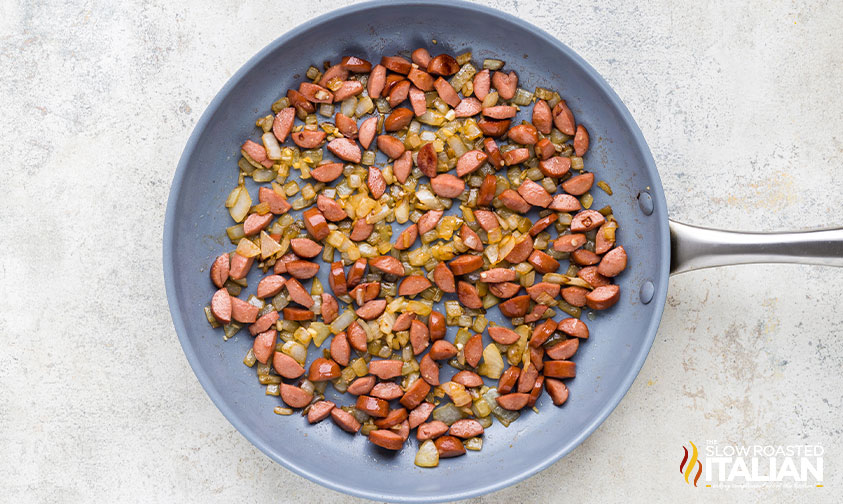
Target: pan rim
<point>233,416</point>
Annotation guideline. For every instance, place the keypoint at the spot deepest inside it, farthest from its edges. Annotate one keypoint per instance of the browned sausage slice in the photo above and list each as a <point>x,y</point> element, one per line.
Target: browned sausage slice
<point>414,396</point>
<point>574,296</point>
<point>613,262</point>
<point>542,117</point>
<point>449,446</point>
<point>557,390</point>
<point>429,220</point>
<point>603,297</point>
<point>398,119</point>
<point>447,185</point>
<point>436,325</point>
<point>442,349</point>
<point>283,123</point>
<point>345,149</point>
<point>514,201</point>
<point>240,266</point>
<point>315,223</point>
<point>357,337</point>
<point>264,345</point>
<point>277,203</point>
<point>397,64</point>
<point>496,275</point>
<point>524,134</point>
<point>388,391</point>
<point>560,369</point>
<point>263,323</point>
<point>564,350</point>
<point>345,420</point>
<point>323,369</point>
<point>421,57</point>
<point>466,428</point>
<point>487,220</point>
<point>376,182</point>
<point>583,257</point>
<point>255,223</point>
<point>579,184</point>
<point>327,172</point>
<point>515,156</point>
<point>403,166</point>
<point>294,396</point>
<point>219,270</point>
<point>399,92</point>
<point>482,84</point>
<point>586,220</point>
<point>506,84</point>
<point>387,264</point>
<point>542,332</point>
<point>407,237</point>
<point>470,238</point>
<point>555,166</point>
<point>581,141</point>
<point>468,107</point>
<point>385,369</point>
<point>402,323</point>
<point>307,139</point>
<point>565,203</point>
<point>304,247</point>
<point>513,402</point>
<point>470,162</point>
<point>545,149</point>
<point>338,72</point>
<point>465,264</point>
<point>417,100</point>
<point>320,411</point>
<point>361,230</point>
<point>297,314</point>
<point>504,290</point>
<point>493,128</point>
<point>444,64</point>
<point>534,194</point>
<point>419,336</point>
<point>377,81</point>
<point>527,379</point>
<point>473,350</point>
<point>346,125</point>
<point>429,370</point>
<point>542,262</point>
<point>362,386</point>
<point>412,285</point>
<point>543,224</point>
<point>420,79</point>
<point>242,311</point>
<point>372,309</point>
<point>563,118</point>
<point>522,250</point>
<point>368,130</point>
<point>468,379</point>
<point>515,307</point>
<point>270,286</point>
<point>444,278</point>
<point>487,190</point>
<point>372,406</point>
<point>421,413</point>
<point>340,351</point>
<point>355,64</point>
<point>500,112</point>
<point>503,335</point>
<point>432,430</point>
<point>297,293</point>
<point>569,242</point>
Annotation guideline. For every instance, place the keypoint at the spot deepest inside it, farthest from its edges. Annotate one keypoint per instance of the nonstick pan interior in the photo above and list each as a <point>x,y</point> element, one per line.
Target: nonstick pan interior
<point>607,362</point>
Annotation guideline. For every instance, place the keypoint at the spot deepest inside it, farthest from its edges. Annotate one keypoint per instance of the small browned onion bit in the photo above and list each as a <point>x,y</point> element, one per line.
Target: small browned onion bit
<point>486,186</point>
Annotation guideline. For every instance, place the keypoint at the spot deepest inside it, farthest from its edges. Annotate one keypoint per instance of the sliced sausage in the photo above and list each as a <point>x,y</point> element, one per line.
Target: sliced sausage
<point>346,125</point>
<point>504,290</point>
<point>574,296</point>
<point>403,166</point>
<point>330,209</point>
<point>297,293</point>
<point>398,93</point>
<point>466,428</point>
<point>297,314</point>
<point>319,411</point>
<point>536,313</point>
<point>449,446</point>
<point>385,369</point>
<point>417,100</point>
<point>431,430</point>
<point>335,72</point>
<point>436,325</point>
<point>263,323</point>
<point>376,182</point>
<point>515,156</point>
<point>534,194</point>
<point>376,82</point>
<point>361,230</point>
<point>468,296</point>
<point>242,311</point>
<point>542,262</point>
<point>506,84</point>
<point>372,309</point>
<point>542,332</point>
<point>495,275</point>
<point>515,307</point>
<point>565,203</point>
<point>522,250</point>
<point>315,223</point>
<point>542,117</point>
<point>429,370</point>
<point>545,149</point>
<point>465,264</point>
<point>586,220</point>
<point>500,112</point>
<point>362,385</point>
<point>555,166</point>
<point>390,146</point>
<point>473,350</point>
<point>421,57</point>
<point>444,278</point>
<point>563,350</point>
<point>482,84</point>
<point>357,337</point>
<point>524,134</point>
<point>388,391</point>
<point>468,107</point>
<point>323,369</point>
<point>372,406</point>
<point>345,149</point>
<point>421,413</point>
<point>560,369</point>
<point>447,185</point>
<point>256,152</point>
<point>442,349</point>
<point>240,266</point>
<point>255,223</point>
<point>348,89</point>
<point>583,257</point>
<point>402,323</point>
<point>304,247</point>
<point>283,123</point>
<point>527,378</point>
<point>307,139</point>
<point>420,79</point>
<point>543,224</point>
<point>414,396</point>
<point>514,201</point>
<point>264,345</point>
<point>294,396</point>
<point>355,64</point>
<point>270,286</point>
<point>398,119</point>
<point>365,292</point>
<point>580,141</point>
<point>487,219</point>
<point>613,262</point>
<point>336,279</point>
<point>444,64</point>
<point>387,264</point>
<point>345,420</point>
<point>429,220</point>
<point>492,128</point>
<point>470,162</point>
<point>419,336</point>
<point>397,64</point>
<point>468,379</point>
<point>503,335</point>
<point>327,172</point>
<point>300,103</point>
<point>508,379</point>
<point>470,238</point>
<point>557,390</point>
<point>368,130</point>
<point>578,185</point>
<point>278,204</point>
<point>603,297</point>
<point>595,279</point>
<point>340,351</point>
<point>513,401</point>
<point>487,190</point>
<point>413,285</point>
<point>407,237</point>
<point>569,242</point>
<point>563,118</point>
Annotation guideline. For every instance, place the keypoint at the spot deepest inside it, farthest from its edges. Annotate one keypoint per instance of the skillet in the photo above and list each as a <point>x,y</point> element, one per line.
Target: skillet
<point>622,336</point>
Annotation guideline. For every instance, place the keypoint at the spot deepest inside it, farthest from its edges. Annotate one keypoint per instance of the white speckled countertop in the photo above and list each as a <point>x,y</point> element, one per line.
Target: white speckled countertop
<point>740,105</point>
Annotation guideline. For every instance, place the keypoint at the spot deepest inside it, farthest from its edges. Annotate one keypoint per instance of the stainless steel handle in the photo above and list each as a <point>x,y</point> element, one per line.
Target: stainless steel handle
<point>693,247</point>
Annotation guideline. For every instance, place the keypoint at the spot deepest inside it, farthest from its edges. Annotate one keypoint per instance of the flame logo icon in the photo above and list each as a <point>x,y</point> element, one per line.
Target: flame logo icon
<point>687,466</point>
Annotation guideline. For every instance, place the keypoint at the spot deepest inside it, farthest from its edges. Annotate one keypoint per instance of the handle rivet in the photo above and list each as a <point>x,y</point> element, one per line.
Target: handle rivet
<point>647,292</point>
<point>645,201</point>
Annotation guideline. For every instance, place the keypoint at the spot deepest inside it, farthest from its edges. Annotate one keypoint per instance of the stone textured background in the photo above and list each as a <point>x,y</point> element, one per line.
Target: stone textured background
<point>740,103</point>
